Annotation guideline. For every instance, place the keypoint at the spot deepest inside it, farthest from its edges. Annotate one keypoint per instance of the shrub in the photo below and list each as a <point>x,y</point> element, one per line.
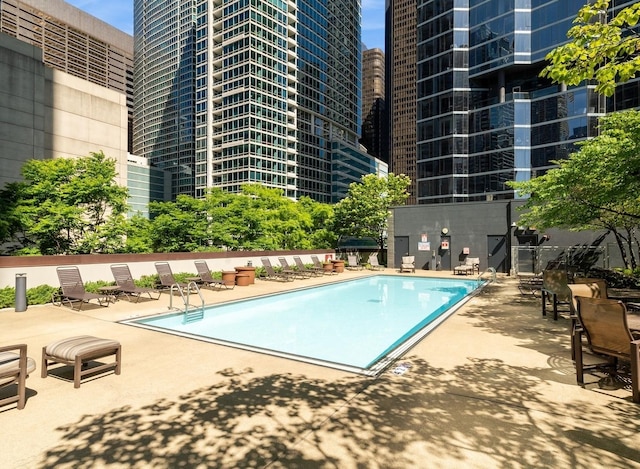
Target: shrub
<point>40,295</point>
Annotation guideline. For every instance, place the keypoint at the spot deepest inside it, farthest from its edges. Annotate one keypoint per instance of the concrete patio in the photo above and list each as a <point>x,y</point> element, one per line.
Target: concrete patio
<point>492,387</point>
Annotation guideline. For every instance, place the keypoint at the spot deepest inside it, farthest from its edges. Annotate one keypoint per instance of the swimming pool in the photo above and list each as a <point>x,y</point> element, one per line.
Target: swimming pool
<point>358,325</point>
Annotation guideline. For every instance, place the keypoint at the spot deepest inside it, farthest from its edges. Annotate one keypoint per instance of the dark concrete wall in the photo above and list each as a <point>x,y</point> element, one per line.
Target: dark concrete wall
<point>469,225</point>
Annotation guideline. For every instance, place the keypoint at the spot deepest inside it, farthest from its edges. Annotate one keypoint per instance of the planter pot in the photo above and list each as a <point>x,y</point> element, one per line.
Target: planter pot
<point>243,279</point>
<point>229,277</point>
<point>338,266</point>
<point>328,267</point>
<point>250,271</point>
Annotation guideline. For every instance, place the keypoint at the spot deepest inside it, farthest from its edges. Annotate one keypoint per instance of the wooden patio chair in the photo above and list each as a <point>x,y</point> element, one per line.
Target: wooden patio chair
<point>15,367</point>
<point>408,264</point>
<point>604,324</point>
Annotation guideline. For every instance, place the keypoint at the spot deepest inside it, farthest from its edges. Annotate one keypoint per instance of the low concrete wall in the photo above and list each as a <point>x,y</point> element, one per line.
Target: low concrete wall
<point>41,270</point>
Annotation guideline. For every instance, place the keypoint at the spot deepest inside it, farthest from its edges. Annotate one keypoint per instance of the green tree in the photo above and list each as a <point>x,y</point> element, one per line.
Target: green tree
<point>597,187</point>
<point>600,49</point>
<point>365,210</point>
<point>70,206</point>
<point>179,226</point>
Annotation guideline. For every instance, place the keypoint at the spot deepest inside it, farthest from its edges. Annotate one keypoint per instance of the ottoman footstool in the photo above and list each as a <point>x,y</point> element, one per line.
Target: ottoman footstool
<point>78,351</point>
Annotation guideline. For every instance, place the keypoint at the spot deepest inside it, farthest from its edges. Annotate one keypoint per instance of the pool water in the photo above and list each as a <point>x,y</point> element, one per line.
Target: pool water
<point>357,325</point>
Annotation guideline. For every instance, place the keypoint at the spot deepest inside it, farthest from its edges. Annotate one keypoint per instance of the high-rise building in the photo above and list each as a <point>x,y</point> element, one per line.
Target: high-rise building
<point>483,115</point>
<point>373,105</point>
<point>400,77</point>
<point>236,92</point>
<point>74,42</point>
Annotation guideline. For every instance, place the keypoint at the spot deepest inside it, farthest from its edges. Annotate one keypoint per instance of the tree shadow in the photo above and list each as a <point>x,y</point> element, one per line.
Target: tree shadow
<point>481,411</point>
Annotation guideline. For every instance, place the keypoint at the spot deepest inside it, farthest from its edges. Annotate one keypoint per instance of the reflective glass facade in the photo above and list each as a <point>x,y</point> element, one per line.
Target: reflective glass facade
<point>247,91</point>
<point>484,116</point>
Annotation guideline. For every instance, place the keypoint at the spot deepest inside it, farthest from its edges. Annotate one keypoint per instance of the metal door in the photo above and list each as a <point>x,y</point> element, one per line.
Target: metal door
<point>401,246</point>
<point>497,249</point>
<point>444,251</point>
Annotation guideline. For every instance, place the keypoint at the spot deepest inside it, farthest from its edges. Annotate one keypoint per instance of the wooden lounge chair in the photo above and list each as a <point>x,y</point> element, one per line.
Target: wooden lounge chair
<point>353,264</point>
<point>290,270</point>
<point>303,268</point>
<point>72,289</point>
<point>373,262</point>
<point>319,266</point>
<point>15,367</point>
<point>271,274</point>
<point>604,323</point>
<point>206,279</point>
<point>408,264</point>
<point>127,286</point>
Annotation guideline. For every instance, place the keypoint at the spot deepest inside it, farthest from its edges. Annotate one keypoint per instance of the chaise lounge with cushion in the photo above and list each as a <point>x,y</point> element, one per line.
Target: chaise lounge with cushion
<point>470,266</point>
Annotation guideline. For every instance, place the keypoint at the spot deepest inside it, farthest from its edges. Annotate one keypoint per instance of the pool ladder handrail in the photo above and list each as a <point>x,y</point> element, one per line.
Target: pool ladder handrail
<point>491,271</point>
<point>185,299</point>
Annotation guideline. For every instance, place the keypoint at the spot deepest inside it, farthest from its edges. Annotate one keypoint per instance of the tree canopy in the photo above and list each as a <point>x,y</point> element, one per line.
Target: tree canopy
<point>365,210</point>
<point>598,187</point>
<point>66,206</point>
<point>600,48</point>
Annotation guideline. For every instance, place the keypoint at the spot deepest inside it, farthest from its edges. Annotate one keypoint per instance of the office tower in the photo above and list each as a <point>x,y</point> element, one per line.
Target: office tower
<point>74,42</point>
<point>373,106</point>
<point>484,116</point>
<point>228,93</point>
<point>400,50</point>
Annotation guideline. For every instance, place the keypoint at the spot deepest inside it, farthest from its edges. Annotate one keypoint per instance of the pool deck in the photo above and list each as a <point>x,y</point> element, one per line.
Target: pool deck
<point>492,387</point>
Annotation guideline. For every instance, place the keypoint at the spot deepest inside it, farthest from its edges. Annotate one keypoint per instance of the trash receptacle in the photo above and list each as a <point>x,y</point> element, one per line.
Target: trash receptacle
<point>21,292</point>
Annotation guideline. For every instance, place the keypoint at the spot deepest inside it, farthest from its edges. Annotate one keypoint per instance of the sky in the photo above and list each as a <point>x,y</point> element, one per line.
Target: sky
<point>119,13</point>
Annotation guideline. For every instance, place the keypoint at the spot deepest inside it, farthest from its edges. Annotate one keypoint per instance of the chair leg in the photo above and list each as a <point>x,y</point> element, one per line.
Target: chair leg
<point>635,370</point>
<point>543,295</point>
<point>577,347</point>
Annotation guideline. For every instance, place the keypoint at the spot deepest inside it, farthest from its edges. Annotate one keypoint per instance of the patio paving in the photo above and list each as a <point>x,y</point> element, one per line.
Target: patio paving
<point>492,387</point>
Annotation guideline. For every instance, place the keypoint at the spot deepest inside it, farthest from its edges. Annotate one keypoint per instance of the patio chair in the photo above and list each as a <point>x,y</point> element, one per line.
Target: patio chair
<point>72,289</point>
<point>373,262</point>
<point>408,264</point>
<point>271,274</point>
<point>470,265</point>
<point>530,284</point>
<point>319,266</point>
<point>15,369</point>
<point>555,286</point>
<point>604,324</point>
<point>206,279</point>
<point>303,268</point>
<point>290,270</point>
<point>353,264</point>
<point>596,288</point>
<point>127,286</point>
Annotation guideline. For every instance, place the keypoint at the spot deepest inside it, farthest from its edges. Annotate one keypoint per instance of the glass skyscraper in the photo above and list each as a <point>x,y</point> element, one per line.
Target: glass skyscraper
<point>247,91</point>
<point>484,116</point>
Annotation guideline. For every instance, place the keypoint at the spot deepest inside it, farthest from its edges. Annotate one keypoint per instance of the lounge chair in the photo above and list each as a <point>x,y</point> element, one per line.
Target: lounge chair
<point>167,280</point>
<point>206,279</point>
<point>127,286</point>
<point>290,270</point>
<point>408,264</point>
<point>318,265</point>
<point>15,369</point>
<point>530,284</point>
<point>470,266</point>
<point>303,268</point>
<point>271,274</point>
<point>373,262</point>
<point>353,264</point>
<point>72,289</point>
<point>604,324</point>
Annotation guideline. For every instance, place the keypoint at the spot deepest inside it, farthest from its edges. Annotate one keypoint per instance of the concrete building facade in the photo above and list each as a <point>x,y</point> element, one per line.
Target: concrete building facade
<point>46,113</point>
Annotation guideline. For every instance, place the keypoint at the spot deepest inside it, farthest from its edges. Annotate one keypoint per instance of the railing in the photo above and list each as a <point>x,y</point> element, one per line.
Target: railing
<point>488,275</point>
<point>193,315</point>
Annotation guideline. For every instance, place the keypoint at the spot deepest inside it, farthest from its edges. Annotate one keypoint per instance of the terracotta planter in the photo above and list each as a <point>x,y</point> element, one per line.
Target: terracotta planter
<point>328,267</point>
<point>229,277</point>
<point>250,271</point>
<point>243,279</point>
<point>338,266</point>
